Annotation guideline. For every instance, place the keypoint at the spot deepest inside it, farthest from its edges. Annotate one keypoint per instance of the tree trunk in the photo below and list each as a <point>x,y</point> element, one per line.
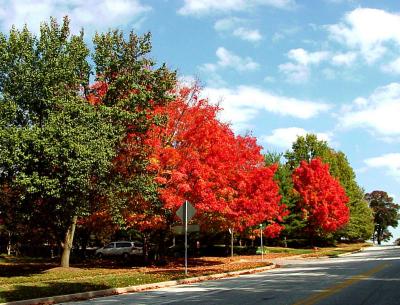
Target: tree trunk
<point>9,244</point>
<point>379,235</point>
<point>145,248</point>
<point>67,245</point>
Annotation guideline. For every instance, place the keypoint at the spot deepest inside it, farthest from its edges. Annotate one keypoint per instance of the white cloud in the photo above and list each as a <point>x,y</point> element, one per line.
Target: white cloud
<point>296,73</point>
<point>90,14</point>
<point>379,112</point>
<point>247,34</point>
<point>227,59</point>
<point>187,80</point>
<point>392,67</point>
<point>227,24</point>
<point>368,30</point>
<point>344,59</point>
<point>284,137</point>
<point>306,58</point>
<point>389,162</point>
<point>239,28</point>
<point>242,104</point>
<point>284,33</point>
<point>299,71</point>
<point>205,7</point>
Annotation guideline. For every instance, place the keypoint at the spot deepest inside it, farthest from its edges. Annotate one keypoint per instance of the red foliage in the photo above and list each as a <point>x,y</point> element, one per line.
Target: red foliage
<point>99,223</point>
<point>195,157</point>
<point>323,198</point>
<point>198,158</point>
<point>97,92</point>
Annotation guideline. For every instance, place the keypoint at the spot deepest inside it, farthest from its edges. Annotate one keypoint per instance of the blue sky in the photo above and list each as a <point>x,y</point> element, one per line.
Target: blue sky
<point>278,68</point>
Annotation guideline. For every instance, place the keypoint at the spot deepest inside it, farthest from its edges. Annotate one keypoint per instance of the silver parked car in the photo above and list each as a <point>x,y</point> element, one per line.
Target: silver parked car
<point>121,248</point>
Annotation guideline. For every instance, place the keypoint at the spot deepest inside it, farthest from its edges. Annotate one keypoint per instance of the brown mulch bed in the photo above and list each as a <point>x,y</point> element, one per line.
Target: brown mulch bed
<point>197,266</point>
<point>210,265</point>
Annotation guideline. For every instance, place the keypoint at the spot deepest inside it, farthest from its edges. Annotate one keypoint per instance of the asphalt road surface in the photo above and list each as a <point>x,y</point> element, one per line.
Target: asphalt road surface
<point>371,277</point>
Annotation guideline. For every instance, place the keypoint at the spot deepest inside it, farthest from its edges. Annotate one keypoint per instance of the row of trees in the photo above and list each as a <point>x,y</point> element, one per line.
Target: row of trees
<point>305,150</point>
<point>126,150</point>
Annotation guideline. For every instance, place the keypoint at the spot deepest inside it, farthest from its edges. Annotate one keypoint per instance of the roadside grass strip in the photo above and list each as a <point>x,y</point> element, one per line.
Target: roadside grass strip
<point>24,278</point>
<point>61,281</point>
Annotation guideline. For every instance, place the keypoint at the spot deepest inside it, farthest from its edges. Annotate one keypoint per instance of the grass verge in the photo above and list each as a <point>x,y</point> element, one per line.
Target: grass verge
<point>339,249</point>
<point>30,280</point>
<point>315,252</point>
<point>24,278</point>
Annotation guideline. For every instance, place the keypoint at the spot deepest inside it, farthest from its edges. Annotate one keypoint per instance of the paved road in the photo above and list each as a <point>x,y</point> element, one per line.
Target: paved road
<point>371,277</point>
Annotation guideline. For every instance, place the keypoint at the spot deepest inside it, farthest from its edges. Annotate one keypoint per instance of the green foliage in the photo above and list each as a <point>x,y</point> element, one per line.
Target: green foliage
<point>385,214</point>
<point>360,225</point>
<point>307,148</point>
<point>294,222</point>
<point>33,71</point>
<point>55,148</point>
<point>59,154</point>
<point>135,86</point>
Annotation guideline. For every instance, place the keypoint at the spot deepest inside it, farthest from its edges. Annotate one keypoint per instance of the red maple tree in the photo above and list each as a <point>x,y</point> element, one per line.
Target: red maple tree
<point>323,199</point>
<point>194,156</point>
<point>200,159</point>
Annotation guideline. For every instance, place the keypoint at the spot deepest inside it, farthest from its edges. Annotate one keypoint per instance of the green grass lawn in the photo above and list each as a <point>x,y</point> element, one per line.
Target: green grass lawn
<point>22,279</point>
<point>60,281</point>
<point>285,250</point>
<point>326,251</point>
<point>26,278</point>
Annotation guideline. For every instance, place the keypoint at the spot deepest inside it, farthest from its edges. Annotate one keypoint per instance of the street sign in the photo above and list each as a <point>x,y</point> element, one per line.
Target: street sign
<point>185,213</point>
<point>180,230</point>
<point>181,213</point>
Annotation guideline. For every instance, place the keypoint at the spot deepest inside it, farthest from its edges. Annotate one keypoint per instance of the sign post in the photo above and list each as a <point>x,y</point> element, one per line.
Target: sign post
<point>262,248</point>
<point>231,231</point>
<point>185,213</point>
<point>186,245</point>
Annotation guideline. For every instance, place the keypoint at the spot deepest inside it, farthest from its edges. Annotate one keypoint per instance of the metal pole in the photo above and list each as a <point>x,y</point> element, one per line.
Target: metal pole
<point>186,241</point>
<point>231,242</point>
<point>262,248</point>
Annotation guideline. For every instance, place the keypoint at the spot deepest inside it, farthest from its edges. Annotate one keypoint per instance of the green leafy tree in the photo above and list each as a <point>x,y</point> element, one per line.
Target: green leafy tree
<point>132,86</point>
<point>69,148</point>
<point>361,225</point>
<point>55,147</point>
<point>385,214</point>
<point>308,147</point>
<point>294,223</point>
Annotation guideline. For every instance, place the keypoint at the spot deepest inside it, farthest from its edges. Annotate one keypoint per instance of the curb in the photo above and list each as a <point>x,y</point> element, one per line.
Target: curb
<point>115,291</point>
<point>350,253</point>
